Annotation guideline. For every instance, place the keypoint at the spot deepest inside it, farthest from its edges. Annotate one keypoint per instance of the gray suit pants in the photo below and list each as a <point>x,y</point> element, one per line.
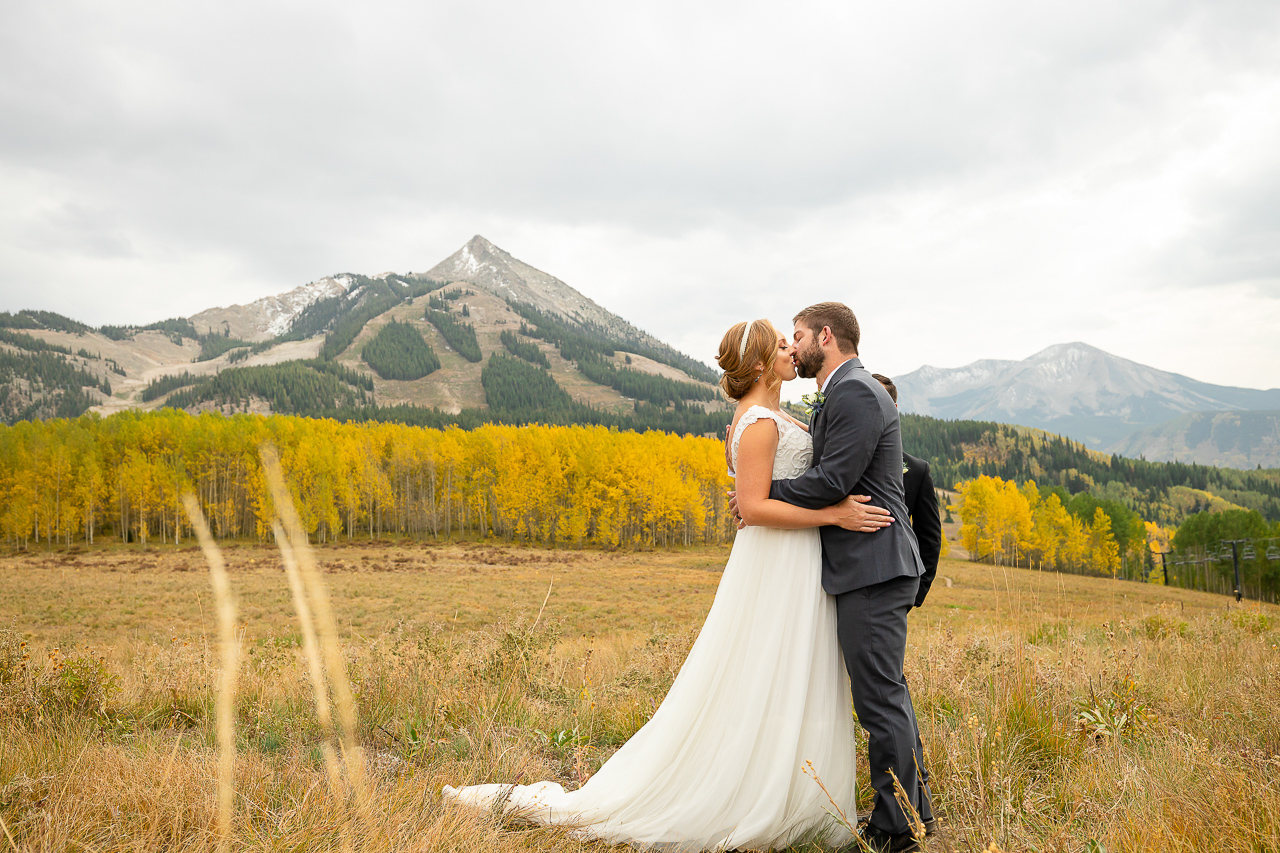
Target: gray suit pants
<point>872,625</point>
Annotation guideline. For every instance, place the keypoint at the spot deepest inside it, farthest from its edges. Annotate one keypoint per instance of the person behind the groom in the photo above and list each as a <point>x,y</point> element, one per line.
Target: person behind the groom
<point>922,503</point>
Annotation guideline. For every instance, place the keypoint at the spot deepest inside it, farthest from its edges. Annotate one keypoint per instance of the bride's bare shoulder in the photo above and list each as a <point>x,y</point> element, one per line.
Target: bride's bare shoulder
<point>754,423</point>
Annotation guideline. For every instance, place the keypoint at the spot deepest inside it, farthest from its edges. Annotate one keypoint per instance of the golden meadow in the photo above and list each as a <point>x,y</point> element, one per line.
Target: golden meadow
<point>1059,712</point>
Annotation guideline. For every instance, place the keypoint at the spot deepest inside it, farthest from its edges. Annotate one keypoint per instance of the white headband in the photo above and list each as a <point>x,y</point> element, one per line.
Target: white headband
<point>742,348</point>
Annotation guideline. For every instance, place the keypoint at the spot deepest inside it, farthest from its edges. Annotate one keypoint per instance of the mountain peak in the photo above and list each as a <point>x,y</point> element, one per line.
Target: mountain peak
<point>1074,389</point>
<point>478,247</point>
<point>485,266</point>
<point>1073,348</point>
<point>481,244</point>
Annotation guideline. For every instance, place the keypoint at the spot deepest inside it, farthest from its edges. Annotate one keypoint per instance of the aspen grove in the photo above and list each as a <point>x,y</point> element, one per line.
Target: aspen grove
<point>85,479</point>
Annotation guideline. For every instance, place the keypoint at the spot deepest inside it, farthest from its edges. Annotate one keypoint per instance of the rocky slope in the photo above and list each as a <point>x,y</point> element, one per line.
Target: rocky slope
<point>270,316</point>
<point>487,267</point>
<point>1225,439</point>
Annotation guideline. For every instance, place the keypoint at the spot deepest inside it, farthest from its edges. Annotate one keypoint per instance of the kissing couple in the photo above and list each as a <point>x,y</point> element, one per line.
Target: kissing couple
<point>812,607</point>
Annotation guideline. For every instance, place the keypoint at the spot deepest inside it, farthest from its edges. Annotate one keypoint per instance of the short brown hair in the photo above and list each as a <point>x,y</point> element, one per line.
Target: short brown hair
<point>837,317</point>
<point>888,385</point>
<point>740,373</point>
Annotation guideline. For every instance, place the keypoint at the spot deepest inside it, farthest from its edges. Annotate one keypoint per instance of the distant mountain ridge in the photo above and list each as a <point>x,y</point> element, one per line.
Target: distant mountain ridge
<point>479,263</point>
<point>495,339</point>
<point>304,351</point>
<point>1076,390</point>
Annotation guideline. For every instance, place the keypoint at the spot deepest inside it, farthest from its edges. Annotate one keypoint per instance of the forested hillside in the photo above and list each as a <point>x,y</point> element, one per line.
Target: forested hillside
<point>461,336</point>
<point>1165,492</point>
<point>578,341</point>
<point>371,326</point>
<point>521,393</point>
<point>41,320</point>
<point>524,349</point>
<point>39,379</point>
<point>315,387</point>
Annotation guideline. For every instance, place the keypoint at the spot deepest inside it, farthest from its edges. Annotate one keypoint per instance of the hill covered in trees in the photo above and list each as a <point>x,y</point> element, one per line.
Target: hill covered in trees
<point>315,387</point>
<point>40,379</point>
<point>361,324</point>
<point>1164,492</point>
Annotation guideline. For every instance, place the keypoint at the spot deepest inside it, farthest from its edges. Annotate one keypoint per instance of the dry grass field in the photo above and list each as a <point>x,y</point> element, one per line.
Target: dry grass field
<point>1060,713</point>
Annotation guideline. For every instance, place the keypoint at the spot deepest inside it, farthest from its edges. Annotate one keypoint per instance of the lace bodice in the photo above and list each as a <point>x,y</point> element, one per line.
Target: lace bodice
<point>795,447</point>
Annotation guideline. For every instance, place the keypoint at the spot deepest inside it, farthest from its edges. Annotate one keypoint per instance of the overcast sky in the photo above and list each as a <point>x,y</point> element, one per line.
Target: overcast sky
<point>977,180</point>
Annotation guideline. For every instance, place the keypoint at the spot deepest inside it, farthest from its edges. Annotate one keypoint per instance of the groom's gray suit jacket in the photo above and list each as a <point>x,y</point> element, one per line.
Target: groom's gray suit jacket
<point>857,450</point>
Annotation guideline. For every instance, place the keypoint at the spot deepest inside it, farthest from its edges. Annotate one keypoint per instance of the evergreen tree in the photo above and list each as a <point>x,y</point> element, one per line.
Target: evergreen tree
<point>162,385</point>
<point>399,351</point>
<point>649,387</point>
<point>291,387</point>
<point>523,349</point>
<point>41,320</point>
<point>460,336</point>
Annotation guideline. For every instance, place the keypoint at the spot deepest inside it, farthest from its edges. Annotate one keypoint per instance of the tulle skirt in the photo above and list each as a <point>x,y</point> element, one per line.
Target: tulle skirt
<point>760,707</point>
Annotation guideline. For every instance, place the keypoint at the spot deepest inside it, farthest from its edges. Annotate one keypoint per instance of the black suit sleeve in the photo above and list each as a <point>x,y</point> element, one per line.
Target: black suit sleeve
<point>927,525</point>
<point>852,424</point>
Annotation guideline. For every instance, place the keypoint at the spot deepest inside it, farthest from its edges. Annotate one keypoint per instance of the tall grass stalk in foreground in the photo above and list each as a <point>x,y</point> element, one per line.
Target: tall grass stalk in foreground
<point>312,602</point>
<point>311,651</point>
<point>230,654</point>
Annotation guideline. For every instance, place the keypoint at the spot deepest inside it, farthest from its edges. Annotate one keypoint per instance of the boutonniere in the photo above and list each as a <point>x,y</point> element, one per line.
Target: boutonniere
<point>813,403</point>
<point>905,469</point>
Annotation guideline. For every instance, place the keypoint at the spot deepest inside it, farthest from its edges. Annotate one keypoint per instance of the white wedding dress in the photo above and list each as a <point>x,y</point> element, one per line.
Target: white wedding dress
<point>763,693</point>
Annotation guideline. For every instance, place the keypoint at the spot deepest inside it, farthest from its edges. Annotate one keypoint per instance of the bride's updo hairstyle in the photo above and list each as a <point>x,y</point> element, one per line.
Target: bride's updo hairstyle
<point>738,358</point>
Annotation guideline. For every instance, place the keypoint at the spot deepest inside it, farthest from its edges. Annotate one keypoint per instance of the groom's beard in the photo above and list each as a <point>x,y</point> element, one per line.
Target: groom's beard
<point>808,362</point>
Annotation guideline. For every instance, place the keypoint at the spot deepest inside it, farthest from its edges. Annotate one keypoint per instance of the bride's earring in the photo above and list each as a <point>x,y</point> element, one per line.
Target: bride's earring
<point>758,375</point>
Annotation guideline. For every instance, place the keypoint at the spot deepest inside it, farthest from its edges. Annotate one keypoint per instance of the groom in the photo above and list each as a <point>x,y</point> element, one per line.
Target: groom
<point>857,450</point>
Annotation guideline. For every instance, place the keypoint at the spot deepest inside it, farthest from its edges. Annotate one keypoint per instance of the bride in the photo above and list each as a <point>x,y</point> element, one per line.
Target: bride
<point>762,703</point>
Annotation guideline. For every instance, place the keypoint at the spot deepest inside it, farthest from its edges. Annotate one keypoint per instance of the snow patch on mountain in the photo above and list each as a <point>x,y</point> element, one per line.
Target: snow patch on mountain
<point>272,315</point>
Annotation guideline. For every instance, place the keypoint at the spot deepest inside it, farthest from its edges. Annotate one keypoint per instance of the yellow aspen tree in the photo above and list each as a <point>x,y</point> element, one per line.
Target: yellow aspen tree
<point>1103,550</point>
<point>979,516</point>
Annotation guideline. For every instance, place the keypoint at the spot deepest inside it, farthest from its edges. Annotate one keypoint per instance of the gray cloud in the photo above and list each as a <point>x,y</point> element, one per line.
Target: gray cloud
<point>981,159</point>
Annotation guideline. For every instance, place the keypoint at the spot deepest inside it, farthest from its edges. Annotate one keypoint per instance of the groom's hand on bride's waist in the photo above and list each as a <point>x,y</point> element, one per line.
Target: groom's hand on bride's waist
<point>857,514</point>
<point>854,513</point>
